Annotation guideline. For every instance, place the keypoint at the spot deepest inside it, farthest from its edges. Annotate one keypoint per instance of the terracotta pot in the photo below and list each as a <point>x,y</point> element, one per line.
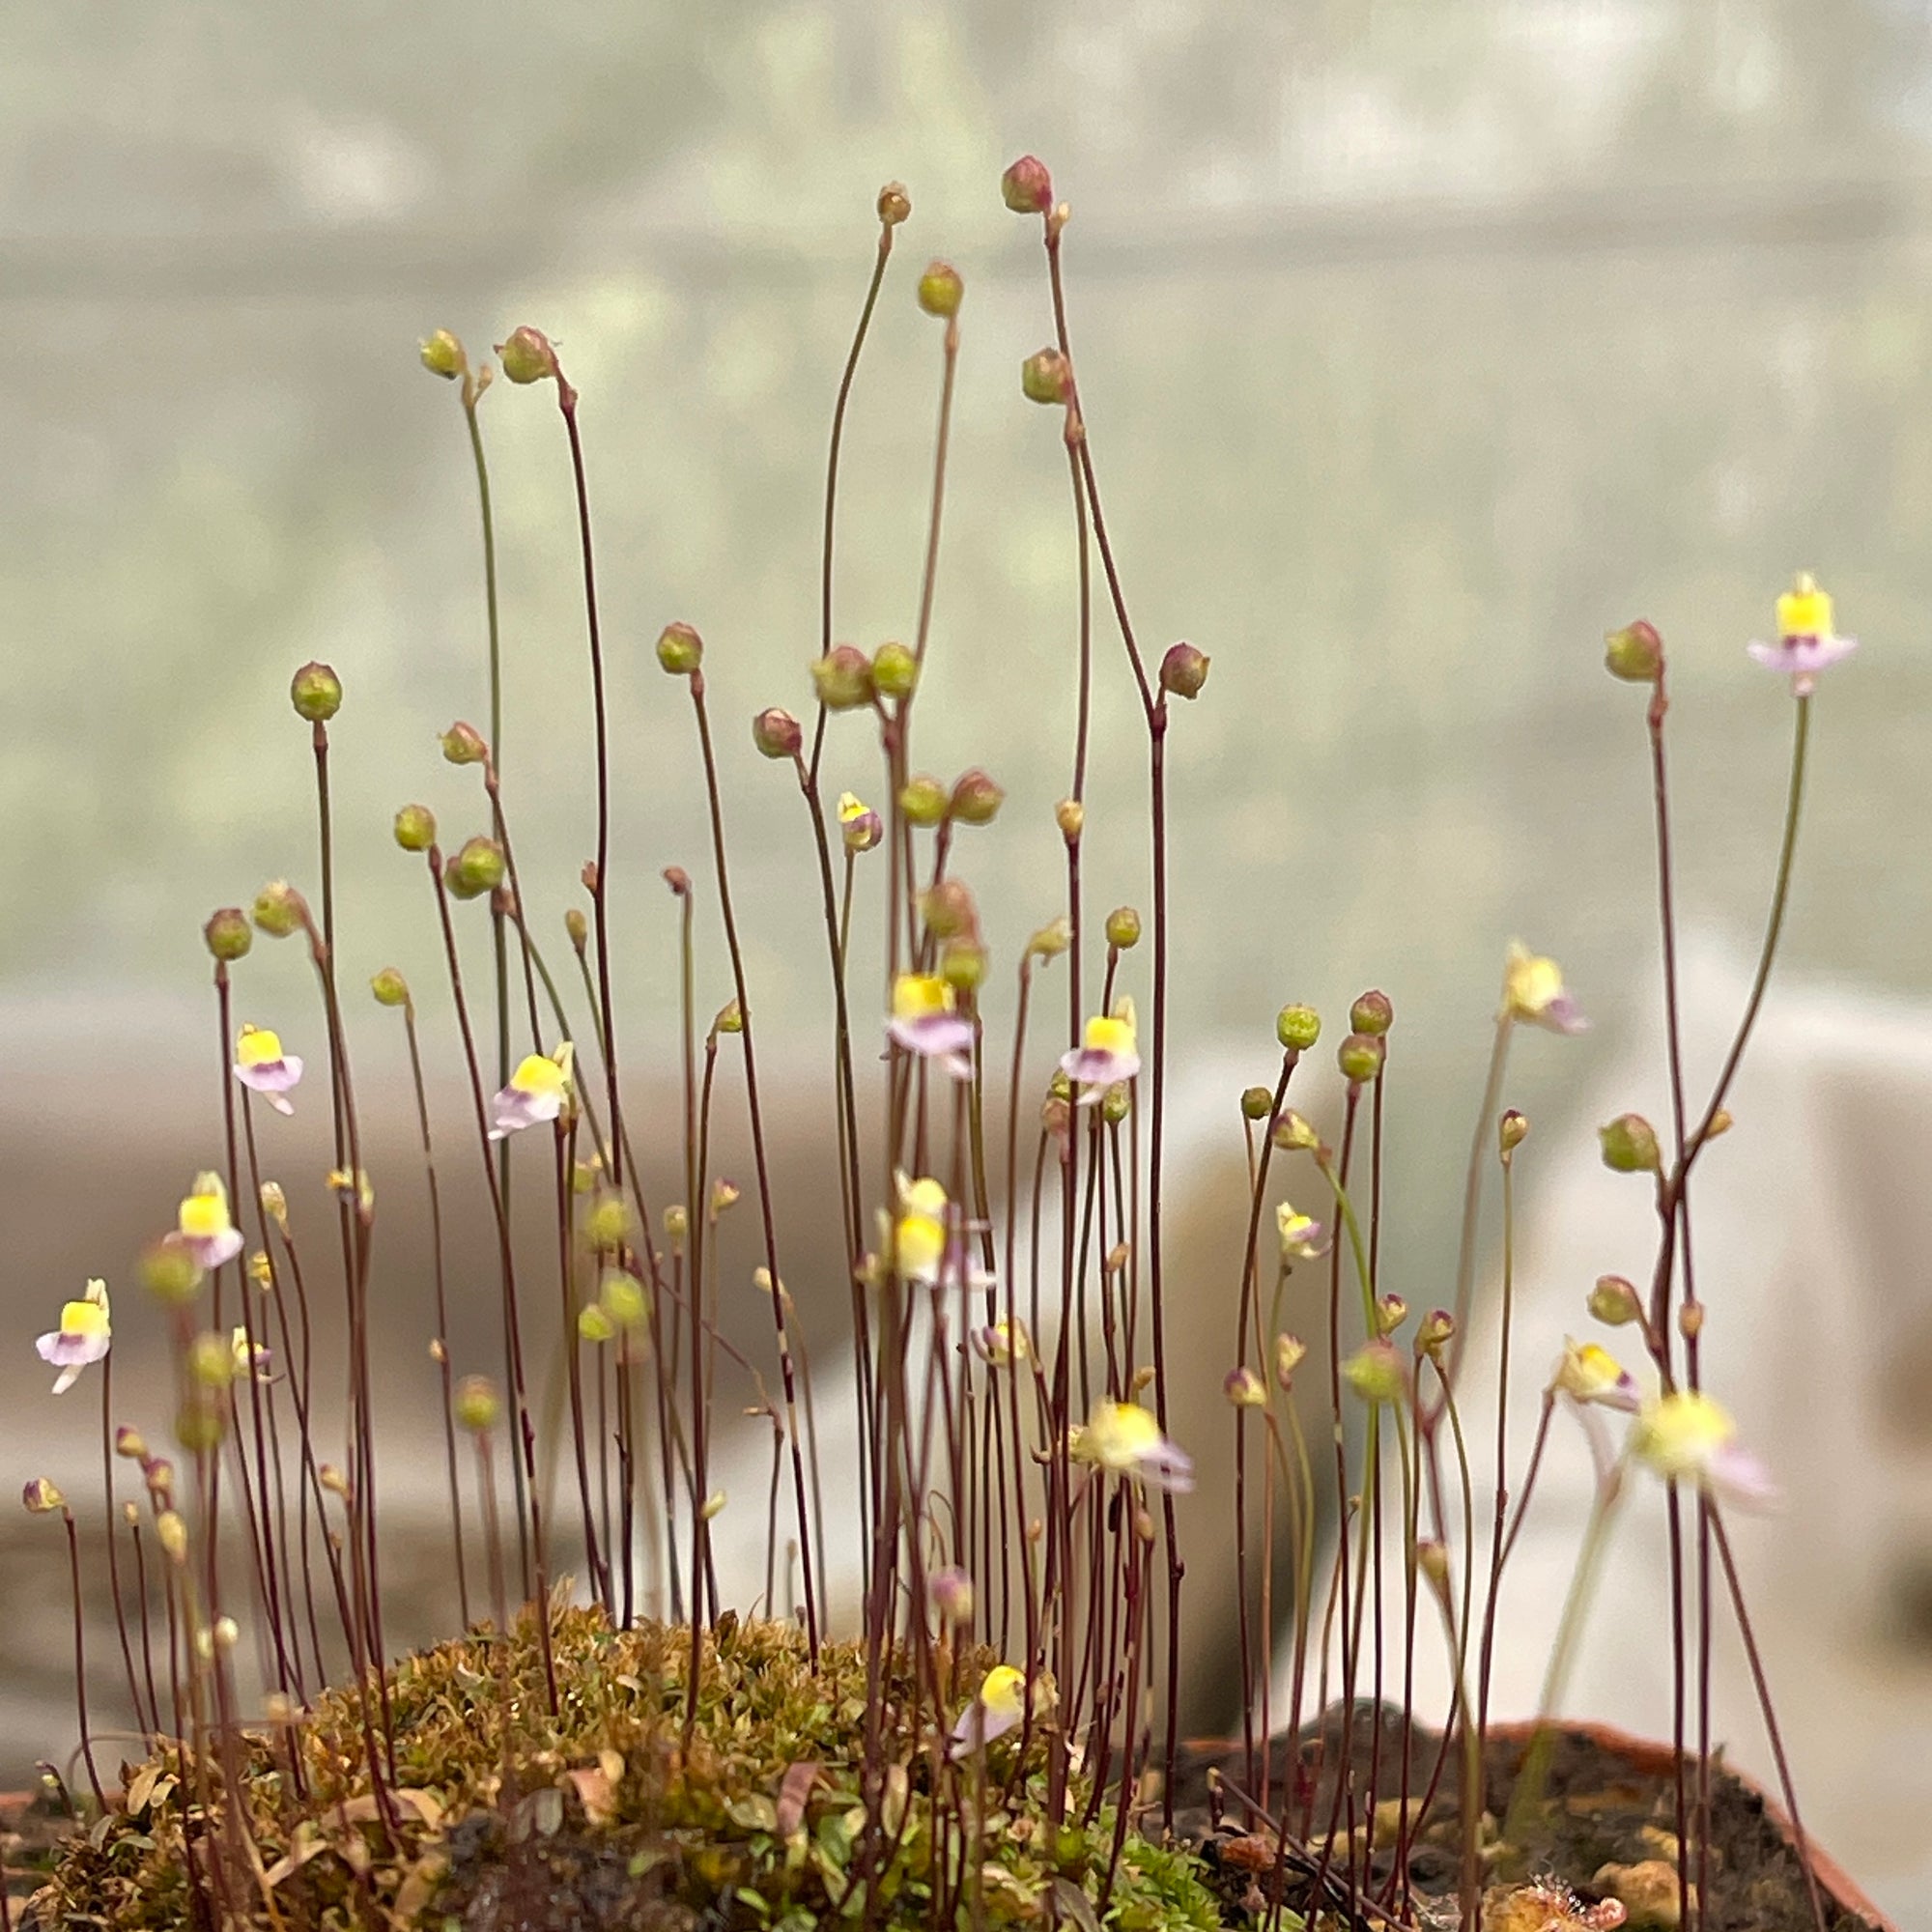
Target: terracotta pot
<point>1656,1760</point>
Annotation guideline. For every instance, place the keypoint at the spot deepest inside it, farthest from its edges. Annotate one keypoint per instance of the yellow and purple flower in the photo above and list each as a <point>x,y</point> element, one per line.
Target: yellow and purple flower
<point>1533,992</point>
<point>1588,1373</point>
<point>926,1021</point>
<point>1805,643</point>
<point>929,1238</point>
<point>536,1092</point>
<point>1121,1438</point>
<point>859,826</point>
<point>204,1227</point>
<point>262,1067</point>
<point>1302,1237</point>
<point>1686,1436</point>
<point>998,1708</point>
<point>1107,1055</point>
<point>83,1336</point>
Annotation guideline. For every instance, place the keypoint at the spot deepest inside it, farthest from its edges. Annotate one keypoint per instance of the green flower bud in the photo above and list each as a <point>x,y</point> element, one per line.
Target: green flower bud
<point>1614,1302</point>
<point>676,1222</point>
<point>391,988</point>
<point>528,356</point>
<point>975,799</point>
<point>1116,1103</point>
<point>228,934</point>
<point>609,1223</point>
<point>575,927</point>
<point>210,1361</point>
<point>962,965</point>
<point>1376,1373</point>
<point>1123,928</point>
<point>1257,1103</point>
<point>169,1271</point>
<point>316,693</point>
<point>478,868</point>
<point>1298,1028</point>
<point>1630,1144</point>
<point>200,1424</point>
<point>594,1325</point>
<point>464,745</point>
<point>443,354</point>
<point>1635,654</point>
<point>415,827</point>
<point>1026,188</point>
<point>476,1404</point>
<point>1184,670</point>
<point>940,289</point>
<point>681,649</point>
<point>1360,1057</point>
<point>1372,1013</point>
<point>776,733</point>
<point>1512,1131</point>
<point>923,799</point>
<point>895,670</point>
<point>1391,1311</point>
<point>895,204</point>
<point>278,909</point>
<point>1046,377</point>
<point>623,1298</point>
<point>842,678</point>
<point>950,910</point>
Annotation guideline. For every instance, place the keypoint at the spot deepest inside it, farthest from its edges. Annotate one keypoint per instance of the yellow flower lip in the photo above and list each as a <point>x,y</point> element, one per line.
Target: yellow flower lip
<point>205,1213</point>
<point>87,1319</point>
<point>917,996</point>
<point>257,1047</point>
<point>1804,611</point>
<point>1105,1034</point>
<point>538,1076</point>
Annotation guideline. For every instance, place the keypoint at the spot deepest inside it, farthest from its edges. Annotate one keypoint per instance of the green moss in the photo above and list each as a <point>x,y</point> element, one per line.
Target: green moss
<point>607,1814</point>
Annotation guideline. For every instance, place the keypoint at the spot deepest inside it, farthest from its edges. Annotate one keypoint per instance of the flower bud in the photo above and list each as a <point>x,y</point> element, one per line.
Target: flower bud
<point>1372,1013</point>
<point>528,356</point>
<point>476,1404</point>
<point>609,1223</point>
<point>730,1019</point>
<point>1026,188</point>
<point>577,927</point>
<point>389,987</point>
<point>1376,1373</point>
<point>1635,654</point>
<point>962,965</point>
<point>895,670</point>
<point>1046,377</point>
<point>443,354</point>
<point>859,825</point>
<point>923,799</point>
<point>169,1271</point>
<point>464,745</point>
<point>1257,1103</point>
<point>776,733</point>
<point>1512,1131</point>
<point>975,798</point>
<point>228,934</point>
<point>1434,1331</point>
<point>278,909</point>
<point>171,1532</point>
<point>42,1497</point>
<point>724,1195</point>
<point>210,1361</point>
<point>895,204</point>
<point>1431,1559</point>
<point>1244,1389</point>
<point>681,649</point>
<point>415,827</point>
<point>201,1421</point>
<point>1721,1124</point>
<point>275,1204</point>
<point>1360,1057</point>
<point>940,289</point>
<point>1123,928</point>
<point>948,909</point>
<point>1630,1144</point>
<point>1614,1302</point>
<point>316,693</point>
<point>1052,939</point>
<point>1298,1028</point>
<point>159,1475</point>
<point>676,1222</point>
<point>713,1506</point>
<point>842,678</point>
<point>1070,815</point>
<point>952,1592</point>
<point>1391,1311</point>
<point>1116,1103</point>
<point>1293,1134</point>
<point>130,1443</point>
<point>329,1477</point>
<point>595,1326</point>
<point>623,1298</point>
<point>478,868</point>
<point>1290,1352</point>
<point>1184,670</point>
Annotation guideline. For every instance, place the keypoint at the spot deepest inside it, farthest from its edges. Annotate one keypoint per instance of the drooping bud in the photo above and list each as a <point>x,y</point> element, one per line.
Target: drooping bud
<point>1635,654</point>
<point>464,745</point>
<point>1046,377</point>
<point>1123,928</point>
<point>940,289</point>
<point>1372,1013</point>
<point>478,868</point>
<point>42,1497</point>
<point>415,827</point>
<point>1293,1134</point>
<point>975,798</point>
<point>443,354</point>
<point>895,670</point>
<point>476,1404</point>
<point>1391,1311</point>
<point>923,800</point>
<point>228,934</point>
<point>1244,1389</point>
<point>1630,1144</point>
<point>528,356</point>
<point>1360,1057</point>
<point>776,733</point>
<point>278,909</point>
<point>130,1443</point>
<point>316,693</point>
<point>895,204</point>
<point>1290,1352</point>
<point>952,1592</point>
<point>1298,1028</point>
<point>842,678</point>
<point>1052,939</point>
<point>1614,1302</point>
<point>389,987</point>
<point>1434,1331</point>
<point>1257,1103</point>
<point>1184,670</point>
<point>681,649</point>
<point>1512,1131</point>
<point>1026,188</point>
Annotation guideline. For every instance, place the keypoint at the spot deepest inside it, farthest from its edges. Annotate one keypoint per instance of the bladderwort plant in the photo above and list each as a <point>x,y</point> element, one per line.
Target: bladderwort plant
<point>993,1738</point>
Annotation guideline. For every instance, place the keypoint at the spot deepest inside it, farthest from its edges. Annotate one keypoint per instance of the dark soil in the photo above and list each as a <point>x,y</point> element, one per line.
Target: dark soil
<point>1597,1809</point>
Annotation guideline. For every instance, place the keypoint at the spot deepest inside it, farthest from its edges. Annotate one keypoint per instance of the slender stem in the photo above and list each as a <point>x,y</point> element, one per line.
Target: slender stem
<point>80,1660</point>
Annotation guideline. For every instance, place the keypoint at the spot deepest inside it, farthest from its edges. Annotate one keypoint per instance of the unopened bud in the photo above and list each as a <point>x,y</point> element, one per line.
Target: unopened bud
<point>577,928</point>
<point>1431,1559</point>
<point>595,1326</point>
<point>895,670</point>
<point>676,1222</point>
<point>713,1505</point>
<point>478,868</point>
<point>895,204</point>
<point>1293,1134</point>
<point>1046,377</point>
<point>609,1223</point>
<point>169,1271</point>
<point>962,965</point>
<point>1434,1331</point>
<point>940,289</point>
<point>443,354</point>
<point>1372,1013</point>
<point>278,909</point>
<point>952,1592</point>
<point>1026,188</point>
<point>330,1478</point>
<point>316,693</point>
<point>1512,1131</point>
<point>923,800</point>
<point>528,356</point>
<point>228,934</point>
<point>200,1423</point>
<point>130,1443</point>
<point>1635,654</point>
<point>730,1019</point>
<point>1298,1028</point>
<point>1376,1372</point>
<point>724,1195</point>
<point>42,1497</point>
<point>948,910</point>
<point>776,733</point>
<point>1052,939</point>
<point>1116,1103</point>
<point>681,649</point>
<point>1360,1057</point>
<point>975,799</point>
<point>476,1404</point>
<point>1391,1311</point>
<point>1184,670</point>
<point>1691,1320</point>
<point>1630,1144</point>
<point>1244,1389</point>
<point>210,1361</point>
<point>1614,1302</point>
<point>1070,815</point>
<point>623,1297</point>
<point>1289,1352</point>
<point>464,745</point>
<point>1123,928</point>
<point>1721,1124</point>
<point>842,678</point>
<point>389,987</point>
<point>415,827</point>
<point>171,1532</point>
<point>1257,1103</point>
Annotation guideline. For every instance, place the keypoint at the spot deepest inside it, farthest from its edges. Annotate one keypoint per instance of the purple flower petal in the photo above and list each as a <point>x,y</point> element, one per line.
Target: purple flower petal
<point>1739,1478</point>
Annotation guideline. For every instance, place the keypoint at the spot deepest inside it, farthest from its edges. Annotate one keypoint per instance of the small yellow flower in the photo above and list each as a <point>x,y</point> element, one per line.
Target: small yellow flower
<point>1121,1438</point>
<point>925,1021</point>
<point>536,1092</point>
<point>1533,992</point>
<point>262,1067</point>
<point>1301,1235</point>
<point>84,1335</point>
<point>204,1225</point>
<point>998,1708</point>
<point>1589,1372</point>
<point>1108,1053</point>
<point>1686,1436</point>
<point>859,824</point>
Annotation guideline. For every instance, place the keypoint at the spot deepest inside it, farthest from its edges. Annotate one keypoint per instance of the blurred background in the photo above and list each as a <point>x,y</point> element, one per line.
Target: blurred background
<point>1420,343</point>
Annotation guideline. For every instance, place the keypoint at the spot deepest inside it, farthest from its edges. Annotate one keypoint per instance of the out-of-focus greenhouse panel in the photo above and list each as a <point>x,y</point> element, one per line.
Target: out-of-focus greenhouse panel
<point>1419,343</point>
